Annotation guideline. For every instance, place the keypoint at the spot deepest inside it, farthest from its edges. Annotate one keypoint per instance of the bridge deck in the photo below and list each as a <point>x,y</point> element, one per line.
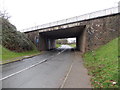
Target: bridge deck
<point>88,16</point>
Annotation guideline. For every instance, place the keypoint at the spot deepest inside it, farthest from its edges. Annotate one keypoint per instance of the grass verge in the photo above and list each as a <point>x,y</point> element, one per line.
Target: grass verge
<point>58,45</point>
<point>102,65</point>
<point>72,45</point>
<point>8,56</point>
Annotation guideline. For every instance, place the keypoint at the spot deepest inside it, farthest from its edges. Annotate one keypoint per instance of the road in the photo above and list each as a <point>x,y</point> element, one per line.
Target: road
<point>47,70</point>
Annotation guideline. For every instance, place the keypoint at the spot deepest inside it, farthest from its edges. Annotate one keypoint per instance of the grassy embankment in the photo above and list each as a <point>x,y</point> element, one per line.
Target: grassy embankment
<point>102,65</point>
<point>9,56</point>
<point>73,45</point>
<point>58,45</point>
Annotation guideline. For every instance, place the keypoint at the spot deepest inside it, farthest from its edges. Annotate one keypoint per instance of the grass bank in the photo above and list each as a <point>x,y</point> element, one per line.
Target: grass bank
<point>58,45</point>
<point>8,56</point>
<point>72,45</point>
<point>102,65</point>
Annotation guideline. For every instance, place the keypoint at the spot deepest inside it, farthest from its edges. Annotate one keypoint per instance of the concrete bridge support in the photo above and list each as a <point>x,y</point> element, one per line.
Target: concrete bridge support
<point>51,44</point>
<point>42,43</point>
<point>45,43</point>
<point>81,41</point>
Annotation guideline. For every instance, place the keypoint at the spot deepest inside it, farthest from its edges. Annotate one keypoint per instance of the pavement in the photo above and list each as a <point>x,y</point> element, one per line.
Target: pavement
<point>78,76</point>
<point>60,68</point>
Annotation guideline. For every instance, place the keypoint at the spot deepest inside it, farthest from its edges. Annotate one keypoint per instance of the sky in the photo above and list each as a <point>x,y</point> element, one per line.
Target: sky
<point>29,13</point>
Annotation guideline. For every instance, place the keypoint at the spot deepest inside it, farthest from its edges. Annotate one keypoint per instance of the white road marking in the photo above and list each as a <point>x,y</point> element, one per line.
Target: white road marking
<point>66,77</point>
<point>31,66</point>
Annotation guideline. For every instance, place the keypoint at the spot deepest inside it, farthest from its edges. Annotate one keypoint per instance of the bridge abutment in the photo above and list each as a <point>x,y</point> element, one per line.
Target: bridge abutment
<point>46,43</point>
<point>81,41</point>
<point>42,43</point>
<point>51,44</point>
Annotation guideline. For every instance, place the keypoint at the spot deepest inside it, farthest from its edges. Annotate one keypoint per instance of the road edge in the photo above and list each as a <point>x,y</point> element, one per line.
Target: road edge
<point>19,59</point>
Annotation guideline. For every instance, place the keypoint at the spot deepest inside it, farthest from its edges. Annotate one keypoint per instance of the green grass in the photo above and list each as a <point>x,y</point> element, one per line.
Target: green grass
<point>58,45</point>
<point>9,55</point>
<point>72,45</point>
<point>102,65</point>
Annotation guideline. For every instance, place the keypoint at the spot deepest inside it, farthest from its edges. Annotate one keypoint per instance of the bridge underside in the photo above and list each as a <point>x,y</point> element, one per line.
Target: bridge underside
<point>47,38</point>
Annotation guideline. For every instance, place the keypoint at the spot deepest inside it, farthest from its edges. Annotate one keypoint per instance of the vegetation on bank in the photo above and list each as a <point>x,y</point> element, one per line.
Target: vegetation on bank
<point>58,45</point>
<point>13,39</point>
<point>102,65</point>
<point>14,44</point>
<point>9,55</point>
<point>72,45</point>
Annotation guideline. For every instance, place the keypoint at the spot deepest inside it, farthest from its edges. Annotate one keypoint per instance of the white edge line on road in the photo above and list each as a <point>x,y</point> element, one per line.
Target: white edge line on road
<point>31,66</point>
<point>66,77</point>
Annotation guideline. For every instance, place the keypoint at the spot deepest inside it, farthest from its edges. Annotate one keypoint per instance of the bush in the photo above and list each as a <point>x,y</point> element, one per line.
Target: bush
<point>13,39</point>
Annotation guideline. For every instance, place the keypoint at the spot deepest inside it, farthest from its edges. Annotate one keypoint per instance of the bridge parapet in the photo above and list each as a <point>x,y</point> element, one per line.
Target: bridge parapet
<point>60,27</point>
<point>101,13</point>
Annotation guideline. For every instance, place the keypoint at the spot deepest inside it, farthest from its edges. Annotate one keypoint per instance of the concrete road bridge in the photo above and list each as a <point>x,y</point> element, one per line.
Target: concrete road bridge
<point>90,30</point>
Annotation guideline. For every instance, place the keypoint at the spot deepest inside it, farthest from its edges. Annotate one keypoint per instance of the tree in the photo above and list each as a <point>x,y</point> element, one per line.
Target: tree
<point>4,15</point>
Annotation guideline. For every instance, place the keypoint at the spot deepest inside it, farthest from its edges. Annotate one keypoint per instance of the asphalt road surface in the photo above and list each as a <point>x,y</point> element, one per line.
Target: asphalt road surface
<point>47,70</point>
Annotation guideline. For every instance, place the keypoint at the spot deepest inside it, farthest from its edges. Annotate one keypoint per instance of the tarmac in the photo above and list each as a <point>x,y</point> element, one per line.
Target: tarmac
<point>61,68</point>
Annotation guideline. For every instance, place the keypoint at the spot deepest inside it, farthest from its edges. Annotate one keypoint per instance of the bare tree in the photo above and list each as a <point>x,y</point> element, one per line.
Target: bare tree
<point>4,14</point>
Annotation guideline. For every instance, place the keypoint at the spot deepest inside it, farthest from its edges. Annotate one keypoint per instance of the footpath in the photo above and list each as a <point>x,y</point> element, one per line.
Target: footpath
<point>77,76</point>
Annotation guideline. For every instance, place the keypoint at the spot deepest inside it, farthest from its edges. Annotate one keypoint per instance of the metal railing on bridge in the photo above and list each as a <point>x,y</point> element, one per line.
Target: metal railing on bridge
<point>110,11</point>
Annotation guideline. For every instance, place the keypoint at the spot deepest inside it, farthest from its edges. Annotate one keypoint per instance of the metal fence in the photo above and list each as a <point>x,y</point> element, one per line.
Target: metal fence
<point>110,11</point>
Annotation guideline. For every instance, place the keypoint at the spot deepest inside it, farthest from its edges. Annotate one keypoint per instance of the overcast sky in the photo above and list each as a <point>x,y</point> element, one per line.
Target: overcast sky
<point>28,13</point>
